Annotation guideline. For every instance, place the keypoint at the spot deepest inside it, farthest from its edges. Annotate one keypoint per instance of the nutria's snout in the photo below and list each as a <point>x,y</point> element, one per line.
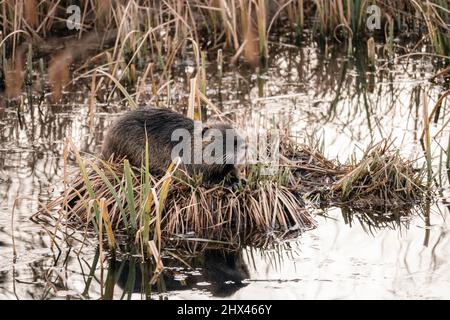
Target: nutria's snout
<point>213,151</point>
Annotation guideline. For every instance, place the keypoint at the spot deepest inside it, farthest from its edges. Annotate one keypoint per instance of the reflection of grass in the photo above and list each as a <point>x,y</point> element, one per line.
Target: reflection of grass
<point>372,221</point>
<point>128,277</point>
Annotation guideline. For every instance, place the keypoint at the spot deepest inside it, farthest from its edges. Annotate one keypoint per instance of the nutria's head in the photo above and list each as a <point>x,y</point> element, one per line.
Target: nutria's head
<point>222,144</point>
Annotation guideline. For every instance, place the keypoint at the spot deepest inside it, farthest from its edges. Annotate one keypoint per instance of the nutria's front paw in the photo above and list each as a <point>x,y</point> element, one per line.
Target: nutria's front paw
<point>235,184</point>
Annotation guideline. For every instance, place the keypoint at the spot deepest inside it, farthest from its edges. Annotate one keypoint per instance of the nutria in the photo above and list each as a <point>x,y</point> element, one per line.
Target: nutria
<point>164,129</point>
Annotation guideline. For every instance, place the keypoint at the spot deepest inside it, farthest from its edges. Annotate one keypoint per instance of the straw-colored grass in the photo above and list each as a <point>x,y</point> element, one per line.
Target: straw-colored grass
<point>15,74</point>
<point>155,212</point>
<point>160,31</point>
<point>382,179</point>
<point>182,204</point>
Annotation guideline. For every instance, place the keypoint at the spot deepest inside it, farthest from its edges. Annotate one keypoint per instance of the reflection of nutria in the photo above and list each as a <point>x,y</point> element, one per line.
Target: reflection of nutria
<point>222,273</point>
<point>164,130</point>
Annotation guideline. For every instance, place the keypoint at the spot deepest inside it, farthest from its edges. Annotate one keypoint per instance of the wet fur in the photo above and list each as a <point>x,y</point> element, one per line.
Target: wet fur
<point>127,139</point>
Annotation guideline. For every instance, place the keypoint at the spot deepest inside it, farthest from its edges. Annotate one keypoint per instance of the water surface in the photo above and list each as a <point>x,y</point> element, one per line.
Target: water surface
<point>317,96</point>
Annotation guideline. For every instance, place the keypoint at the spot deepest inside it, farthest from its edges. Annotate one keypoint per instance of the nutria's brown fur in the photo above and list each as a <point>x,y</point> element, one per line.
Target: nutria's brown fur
<point>127,139</point>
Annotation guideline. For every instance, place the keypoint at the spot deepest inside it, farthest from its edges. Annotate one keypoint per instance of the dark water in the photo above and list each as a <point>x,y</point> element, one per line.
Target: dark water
<point>316,95</point>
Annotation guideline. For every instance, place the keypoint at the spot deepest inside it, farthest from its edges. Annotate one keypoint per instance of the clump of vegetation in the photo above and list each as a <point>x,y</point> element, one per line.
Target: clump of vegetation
<point>120,201</point>
<point>381,180</point>
<point>131,202</point>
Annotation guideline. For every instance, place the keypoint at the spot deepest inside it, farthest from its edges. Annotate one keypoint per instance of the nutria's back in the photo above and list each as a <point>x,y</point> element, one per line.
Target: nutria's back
<point>128,135</point>
<point>126,138</point>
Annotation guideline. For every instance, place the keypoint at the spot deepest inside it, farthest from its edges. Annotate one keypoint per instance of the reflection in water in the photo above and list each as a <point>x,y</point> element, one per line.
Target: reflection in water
<point>221,273</point>
<point>333,96</point>
<point>375,220</point>
<point>213,273</point>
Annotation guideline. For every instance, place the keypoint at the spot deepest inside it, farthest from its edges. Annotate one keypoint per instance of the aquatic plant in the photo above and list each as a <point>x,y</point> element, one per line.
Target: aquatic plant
<point>381,180</point>
<point>165,30</point>
<point>15,74</point>
<point>130,201</point>
<point>129,204</point>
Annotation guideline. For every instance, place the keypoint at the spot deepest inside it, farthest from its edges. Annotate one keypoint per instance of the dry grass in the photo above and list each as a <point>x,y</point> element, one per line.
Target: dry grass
<point>176,210</point>
<point>59,73</point>
<point>382,180</point>
<point>188,207</point>
<point>159,31</point>
<point>15,74</point>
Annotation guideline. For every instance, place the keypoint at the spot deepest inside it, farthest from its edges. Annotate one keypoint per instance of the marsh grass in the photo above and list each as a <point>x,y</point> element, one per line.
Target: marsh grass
<point>121,204</point>
<point>59,73</point>
<point>130,201</point>
<point>15,74</point>
<point>381,181</point>
<point>138,31</point>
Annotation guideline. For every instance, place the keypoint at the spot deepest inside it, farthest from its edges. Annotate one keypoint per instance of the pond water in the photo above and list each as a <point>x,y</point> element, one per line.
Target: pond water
<point>331,97</point>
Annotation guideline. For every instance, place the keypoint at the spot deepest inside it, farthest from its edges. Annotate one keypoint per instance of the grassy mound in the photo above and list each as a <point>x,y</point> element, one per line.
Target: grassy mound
<point>118,200</point>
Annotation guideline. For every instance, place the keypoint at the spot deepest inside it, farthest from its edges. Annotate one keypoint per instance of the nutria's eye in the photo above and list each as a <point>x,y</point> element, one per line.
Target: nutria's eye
<point>205,130</point>
<point>239,142</point>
